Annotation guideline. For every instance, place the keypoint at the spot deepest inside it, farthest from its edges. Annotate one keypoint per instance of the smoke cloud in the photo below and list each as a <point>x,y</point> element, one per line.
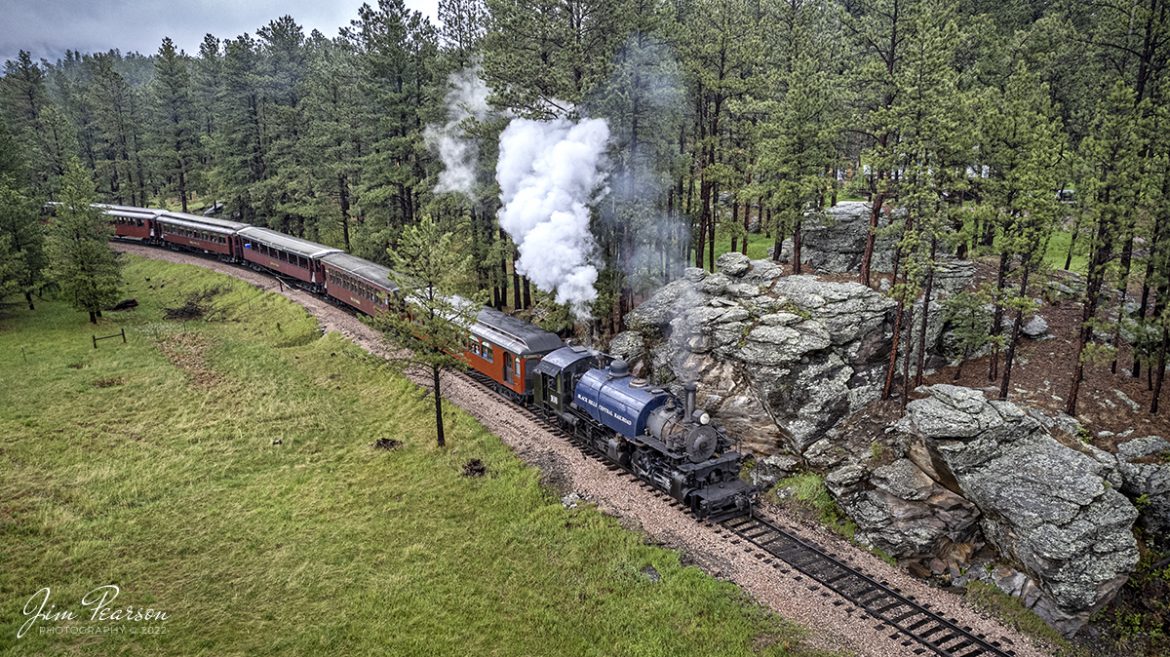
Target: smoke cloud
<point>549,172</point>
<point>466,99</point>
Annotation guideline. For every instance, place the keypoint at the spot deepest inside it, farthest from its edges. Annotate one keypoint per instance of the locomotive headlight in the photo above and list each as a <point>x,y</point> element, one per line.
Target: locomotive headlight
<point>704,419</point>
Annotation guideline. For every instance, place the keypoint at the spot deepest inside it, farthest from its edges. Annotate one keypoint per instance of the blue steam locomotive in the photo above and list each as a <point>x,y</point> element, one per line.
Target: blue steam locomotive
<point>646,429</point>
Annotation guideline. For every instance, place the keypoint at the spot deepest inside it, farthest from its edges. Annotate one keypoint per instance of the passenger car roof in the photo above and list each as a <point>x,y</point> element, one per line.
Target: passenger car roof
<point>514,334</point>
<point>287,243</point>
<point>166,216</point>
<point>127,211</point>
<point>371,272</point>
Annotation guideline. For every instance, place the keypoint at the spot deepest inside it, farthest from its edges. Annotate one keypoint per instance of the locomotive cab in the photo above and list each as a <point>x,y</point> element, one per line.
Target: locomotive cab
<point>555,379</point>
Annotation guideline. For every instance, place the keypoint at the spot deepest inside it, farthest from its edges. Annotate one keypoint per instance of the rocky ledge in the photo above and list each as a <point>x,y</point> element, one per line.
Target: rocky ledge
<point>778,359</point>
<point>1144,464</point>
<point>1048,508</point>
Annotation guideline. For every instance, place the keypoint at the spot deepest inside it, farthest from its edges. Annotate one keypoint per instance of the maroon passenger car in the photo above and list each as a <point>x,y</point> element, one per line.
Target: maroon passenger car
<point>200,233</point>
<point>358,283</point>
<point>130,223</point>
<point>292,256</point>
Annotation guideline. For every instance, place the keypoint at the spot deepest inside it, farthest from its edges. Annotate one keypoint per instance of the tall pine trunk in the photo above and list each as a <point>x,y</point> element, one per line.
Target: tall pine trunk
<point>1010,355</point>
<point>871,236</point>
<point>778,244</point>
<point>734,237</point>
<point>997,316</point>
<point>1101,256</point>
<point>442,442</point>
<point>1123,290</point>
<point>747,223</point>
<point>929,289</point>
<point>797,239</point>
<point>1072,243</point>
<point>343,199</point>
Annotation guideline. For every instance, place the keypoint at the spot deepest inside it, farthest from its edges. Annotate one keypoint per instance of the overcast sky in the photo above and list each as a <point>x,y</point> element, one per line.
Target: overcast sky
<point>47,28</point>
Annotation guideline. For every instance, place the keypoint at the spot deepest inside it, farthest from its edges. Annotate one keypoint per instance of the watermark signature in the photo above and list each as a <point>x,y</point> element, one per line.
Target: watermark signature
<point>100,616</point>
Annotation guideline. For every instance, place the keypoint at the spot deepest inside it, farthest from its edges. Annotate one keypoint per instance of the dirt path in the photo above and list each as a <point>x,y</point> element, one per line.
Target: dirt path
<point>839,626</point>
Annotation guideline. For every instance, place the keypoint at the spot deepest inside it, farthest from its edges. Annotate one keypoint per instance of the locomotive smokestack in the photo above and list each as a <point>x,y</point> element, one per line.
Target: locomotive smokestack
<point>690,389</point>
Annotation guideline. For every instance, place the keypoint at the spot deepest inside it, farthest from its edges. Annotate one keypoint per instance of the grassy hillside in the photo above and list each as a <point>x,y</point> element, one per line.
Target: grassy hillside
<point>151,465</point>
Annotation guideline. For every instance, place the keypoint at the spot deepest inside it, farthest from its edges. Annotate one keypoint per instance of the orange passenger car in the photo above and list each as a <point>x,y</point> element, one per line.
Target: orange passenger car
<point>505,349</point>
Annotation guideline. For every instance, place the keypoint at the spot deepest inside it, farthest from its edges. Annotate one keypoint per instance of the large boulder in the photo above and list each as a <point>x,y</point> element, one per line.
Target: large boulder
<point>950,278</point>
<point>833,241</point>
<point>1047,507</point>
<point>1145,471</point>
<point>778,359</point>
<point>900,510</point>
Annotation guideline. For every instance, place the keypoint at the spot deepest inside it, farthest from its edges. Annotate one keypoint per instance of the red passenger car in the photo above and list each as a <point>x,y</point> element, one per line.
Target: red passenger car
<point>358,283</point>
<point>131,223</point>
<point>291,256</point>
<point>205,234</point>
<point>506,349</point>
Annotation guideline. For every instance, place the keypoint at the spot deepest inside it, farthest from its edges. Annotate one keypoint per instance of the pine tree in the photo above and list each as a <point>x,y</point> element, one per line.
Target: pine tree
<point>283,196</point>
<point>879,29</point>
<point>22,256</point>
<point>1022,148</point>
<point>798,139</point>
<point>1157,200</point>
<point>966,313</point>
<point>463,25</point>
<point>38,126</point>
<point>206,79</point>
<point>240,154</point>
<point>721,48</point>
<point>431,332</point>
<point>118,118</point>
<point>397,49</point>
<point>81,261</point>
<point>1108,192</point>
<point>928,152</point>
<point>175,128</point>
<point>542,57</point>
<point>642,102</point>
<point>333,142</point>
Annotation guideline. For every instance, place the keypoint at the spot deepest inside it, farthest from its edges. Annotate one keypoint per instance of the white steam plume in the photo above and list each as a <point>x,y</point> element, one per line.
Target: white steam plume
<point>549,172</point>
<point>466,99</point>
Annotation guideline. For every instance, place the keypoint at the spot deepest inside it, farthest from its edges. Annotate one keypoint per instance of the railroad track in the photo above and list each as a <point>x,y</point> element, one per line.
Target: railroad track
<point>919,629</point>
<point>907,620</point>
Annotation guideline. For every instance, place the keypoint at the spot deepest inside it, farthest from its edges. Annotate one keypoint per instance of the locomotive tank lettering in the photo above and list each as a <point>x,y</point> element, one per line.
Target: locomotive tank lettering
<point>619,418</point>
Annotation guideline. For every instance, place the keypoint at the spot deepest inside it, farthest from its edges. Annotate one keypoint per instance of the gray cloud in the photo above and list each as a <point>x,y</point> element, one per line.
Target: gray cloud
<point>47,28</point>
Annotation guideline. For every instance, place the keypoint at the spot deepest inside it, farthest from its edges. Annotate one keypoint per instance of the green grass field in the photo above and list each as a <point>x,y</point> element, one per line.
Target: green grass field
<point>760,248</point>
<point>151,465</point>
<point>759,245</point>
